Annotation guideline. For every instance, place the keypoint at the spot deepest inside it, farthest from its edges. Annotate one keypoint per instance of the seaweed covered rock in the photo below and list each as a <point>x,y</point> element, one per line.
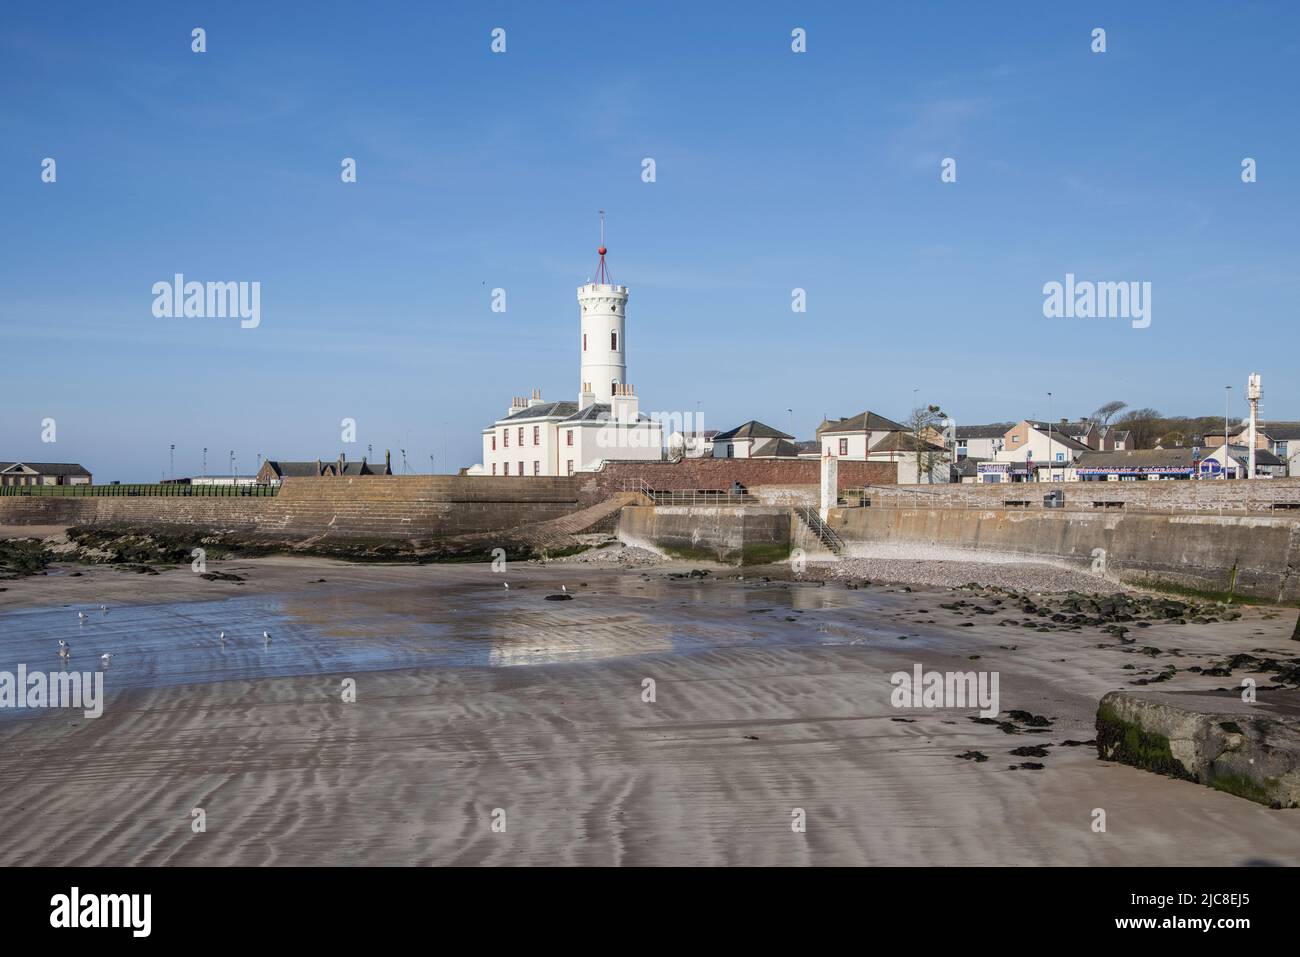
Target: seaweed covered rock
<point>1251,750</point>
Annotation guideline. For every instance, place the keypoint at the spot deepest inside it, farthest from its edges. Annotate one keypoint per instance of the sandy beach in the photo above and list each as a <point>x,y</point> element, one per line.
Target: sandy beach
<point>771,697</point>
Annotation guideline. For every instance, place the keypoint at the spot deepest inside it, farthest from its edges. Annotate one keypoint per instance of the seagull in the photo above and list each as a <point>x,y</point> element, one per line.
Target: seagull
<point>266,635</point>
<point>105,659</point>
<point>81,615</point>
<point>65,650</point>
<point>222,637</point>
<point>507,584</point>
<point>564,589</point>
<point>103,608</point>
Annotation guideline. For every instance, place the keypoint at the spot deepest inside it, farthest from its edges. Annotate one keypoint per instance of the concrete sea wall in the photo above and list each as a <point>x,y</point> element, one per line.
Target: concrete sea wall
<point>742,535</point>
<point>1262,495</point>
<point>373,508</point>
<point>1254,556</point>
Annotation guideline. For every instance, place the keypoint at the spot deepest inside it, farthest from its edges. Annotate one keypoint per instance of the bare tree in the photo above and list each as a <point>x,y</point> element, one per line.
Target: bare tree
<point>1144,427</point>
<point>922,424</point>
<point>1108,411</point>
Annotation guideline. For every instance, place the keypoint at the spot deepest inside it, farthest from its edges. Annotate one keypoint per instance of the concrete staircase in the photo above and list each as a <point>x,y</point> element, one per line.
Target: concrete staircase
<point>547,536</point>
<point>819,531</point>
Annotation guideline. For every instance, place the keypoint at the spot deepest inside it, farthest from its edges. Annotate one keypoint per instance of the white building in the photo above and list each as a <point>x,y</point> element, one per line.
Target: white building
<point>980,441</point>
<point>853,437</point>
<point>752,440</point>
<point>536,437</point>
<point>1030,446</point>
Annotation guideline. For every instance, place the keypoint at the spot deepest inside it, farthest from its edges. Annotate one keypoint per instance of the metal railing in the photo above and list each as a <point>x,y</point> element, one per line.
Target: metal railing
<point>165,490</point>
<point>819,528</point>
<point>689,497</point>
<point>703,497</point>
<point>1260,496</point>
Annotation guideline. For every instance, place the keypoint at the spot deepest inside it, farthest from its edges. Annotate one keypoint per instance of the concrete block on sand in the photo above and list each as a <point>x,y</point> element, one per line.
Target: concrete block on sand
<point>1214,738</point>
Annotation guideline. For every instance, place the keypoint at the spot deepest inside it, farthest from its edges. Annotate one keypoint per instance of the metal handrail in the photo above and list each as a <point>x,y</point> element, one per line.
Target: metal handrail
<point>1206,497</point>
<point>823,531</point>
<point>701,497</point>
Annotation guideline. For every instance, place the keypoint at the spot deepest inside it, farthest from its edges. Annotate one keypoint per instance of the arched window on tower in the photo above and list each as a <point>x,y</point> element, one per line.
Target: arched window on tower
<point>584,342</point>
<point>613,341</point>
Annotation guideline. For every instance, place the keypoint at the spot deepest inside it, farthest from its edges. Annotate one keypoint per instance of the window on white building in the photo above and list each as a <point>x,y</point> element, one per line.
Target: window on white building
<point>569,467</point>
<point>505,438</point>
<point>844,446</point>
<point>568,437</point>
<point>494,468</point>
<point>537,467</point>
<point>506,467</point>
<point>537,435</point>
<point>613,341</point>
<point>521,469</point>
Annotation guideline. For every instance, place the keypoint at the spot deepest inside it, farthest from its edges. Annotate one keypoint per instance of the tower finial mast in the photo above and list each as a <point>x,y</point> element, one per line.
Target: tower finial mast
<point>602,273</point>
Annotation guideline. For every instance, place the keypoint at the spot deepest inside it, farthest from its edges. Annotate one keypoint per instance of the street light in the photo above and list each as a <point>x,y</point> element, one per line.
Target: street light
<point>171,461</point>
<point>1050,458</point>
<point>1227,399</point>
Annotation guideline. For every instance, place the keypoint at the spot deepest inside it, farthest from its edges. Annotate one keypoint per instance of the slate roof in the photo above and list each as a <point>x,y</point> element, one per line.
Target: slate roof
<point>994,431</point>
<point>596,412</point>
<point>1136,459</point>
<point>545,410</point>
<point>324,467</point>
<point>48,468</point>
<point>752,429</point>
<point>1064,440</point>
<point>1262,456</point>
<point>1071,429</point>
<point>1282,431</point>
<point>775,449</point>
<point>863,421</point>
<point>903,442</point>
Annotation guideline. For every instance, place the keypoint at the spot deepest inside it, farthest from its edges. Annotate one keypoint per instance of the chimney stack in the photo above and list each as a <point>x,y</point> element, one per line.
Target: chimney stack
<point>623,403</point>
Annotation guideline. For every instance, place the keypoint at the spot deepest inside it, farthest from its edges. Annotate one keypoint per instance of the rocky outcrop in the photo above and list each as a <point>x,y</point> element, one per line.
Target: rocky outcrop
<point>1251,750</point>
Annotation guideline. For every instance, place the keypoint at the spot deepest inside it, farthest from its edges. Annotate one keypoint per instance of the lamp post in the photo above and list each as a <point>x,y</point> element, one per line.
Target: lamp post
<point>1050,458</point>
<point>1227,398</point>
<point>171,461</point>
<point>205,462</point>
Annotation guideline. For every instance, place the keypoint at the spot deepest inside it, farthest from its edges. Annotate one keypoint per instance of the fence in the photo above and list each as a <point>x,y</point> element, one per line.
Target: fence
<point>689,497</point>
<point>1196,497</point>
<point>166,490</point>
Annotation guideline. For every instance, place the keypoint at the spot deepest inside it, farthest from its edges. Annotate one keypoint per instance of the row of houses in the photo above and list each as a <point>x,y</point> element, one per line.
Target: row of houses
<point>1027,451</point>
<point>1034,451</point>
<point>1031,450</point>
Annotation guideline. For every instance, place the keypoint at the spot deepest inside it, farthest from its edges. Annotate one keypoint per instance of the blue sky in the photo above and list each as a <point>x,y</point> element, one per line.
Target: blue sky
<point>775,170</point>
